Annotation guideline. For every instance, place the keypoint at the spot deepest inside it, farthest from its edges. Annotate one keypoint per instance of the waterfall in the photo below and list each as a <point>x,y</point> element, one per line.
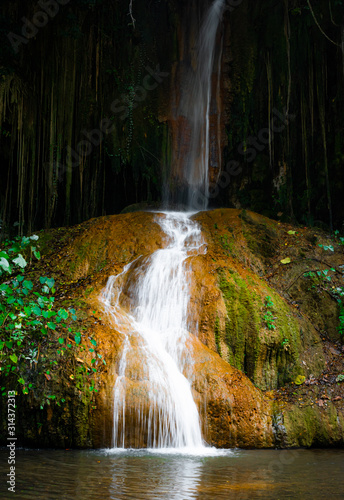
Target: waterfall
<point>148,303</point>
<point>199,141</point>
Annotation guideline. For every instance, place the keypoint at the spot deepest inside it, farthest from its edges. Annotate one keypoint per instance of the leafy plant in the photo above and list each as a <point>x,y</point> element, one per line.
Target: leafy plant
<point>33,331</point>
<point>268,316</point>
<point>341,318</point>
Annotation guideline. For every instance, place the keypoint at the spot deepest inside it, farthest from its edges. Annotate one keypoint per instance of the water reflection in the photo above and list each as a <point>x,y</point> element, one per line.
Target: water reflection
<point>142,475</point>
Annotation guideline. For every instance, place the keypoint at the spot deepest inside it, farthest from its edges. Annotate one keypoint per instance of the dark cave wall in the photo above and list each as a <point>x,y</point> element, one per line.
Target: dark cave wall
<point>287,77</point>
<point>88,65</point>
<point>79,111</point>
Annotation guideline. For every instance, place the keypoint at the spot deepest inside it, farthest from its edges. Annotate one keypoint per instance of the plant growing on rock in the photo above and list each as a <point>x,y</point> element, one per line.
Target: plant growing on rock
<point>33,339</point>
<point>268,316</point>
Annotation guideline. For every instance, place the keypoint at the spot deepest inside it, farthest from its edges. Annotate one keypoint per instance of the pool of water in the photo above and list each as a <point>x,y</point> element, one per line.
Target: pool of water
<point>152,475</point>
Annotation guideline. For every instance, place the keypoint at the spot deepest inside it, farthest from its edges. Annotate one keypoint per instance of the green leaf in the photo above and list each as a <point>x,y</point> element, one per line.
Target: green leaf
<point>2,345</point>
<point>37,254</point>
<point>42,280</point>
<point>77,338</point>
<point>36,310</point>
<point>300,379</point>
<point>63,313</point>
<point>27,310</point>
<point>21,381</point>
<point>93,342</point>
<point>91,350</point>
<point>28,284</point>
<point>25,390</point>
<point>50,282</point>
<point>14,358</point>
<point>61,341</point>
<point>20,261</point>
<point>291,232</point>
<point>93,361</point>
<point>9,344</point>
<point>5,264</point>
<point>287,260</point>
<point>51,325</point>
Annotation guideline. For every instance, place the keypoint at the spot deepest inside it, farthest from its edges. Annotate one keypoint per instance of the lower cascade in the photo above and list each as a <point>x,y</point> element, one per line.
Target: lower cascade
<point>148,304</point>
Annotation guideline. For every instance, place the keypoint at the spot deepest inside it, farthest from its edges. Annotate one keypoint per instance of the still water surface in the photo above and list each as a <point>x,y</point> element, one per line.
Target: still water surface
<point>142,475</point>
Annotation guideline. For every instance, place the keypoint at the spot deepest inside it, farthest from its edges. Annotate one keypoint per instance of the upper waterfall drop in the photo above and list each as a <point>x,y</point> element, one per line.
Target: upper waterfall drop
<point>198,145</point>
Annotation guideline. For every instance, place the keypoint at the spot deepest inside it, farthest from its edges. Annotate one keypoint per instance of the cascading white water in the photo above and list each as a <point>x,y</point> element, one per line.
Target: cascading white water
<point>148,303</point>
<point>195,107</point>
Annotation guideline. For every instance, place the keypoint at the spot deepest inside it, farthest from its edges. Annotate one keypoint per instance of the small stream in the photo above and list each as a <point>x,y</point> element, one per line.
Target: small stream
<point>142,475</point>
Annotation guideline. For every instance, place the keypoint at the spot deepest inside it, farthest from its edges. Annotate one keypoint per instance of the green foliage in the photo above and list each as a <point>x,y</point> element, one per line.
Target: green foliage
<point>341,318</point>
<point>327,247</point>
<point>32,328</point>
<point>268,316</point>
<point>321,280</point>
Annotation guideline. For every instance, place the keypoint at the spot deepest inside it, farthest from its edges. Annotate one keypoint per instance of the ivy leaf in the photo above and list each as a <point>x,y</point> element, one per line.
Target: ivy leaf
<point>51,325</point>
<point>93,342</point>
<point>5,264</point>
<point>37,254</point>
<point>28,284</point>
<point>14,358</point>
<point>50,282</point>
<point>77,338</point>
<point>20,261</point>
<point>27,310</point>
<point>36,310</point>
<point>21,381</point>
<point>63,313</point>
<point>61,341</point>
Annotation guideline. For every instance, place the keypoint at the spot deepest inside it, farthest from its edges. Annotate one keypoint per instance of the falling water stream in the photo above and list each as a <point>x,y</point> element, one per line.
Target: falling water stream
<point>155,325</point>
<point>196,108</point>
<point>148,302</point>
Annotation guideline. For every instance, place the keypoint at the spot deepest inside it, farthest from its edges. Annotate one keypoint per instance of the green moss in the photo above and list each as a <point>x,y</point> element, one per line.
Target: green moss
<point>270,357</point>
<point>217,335</point>
<point>311,426</point>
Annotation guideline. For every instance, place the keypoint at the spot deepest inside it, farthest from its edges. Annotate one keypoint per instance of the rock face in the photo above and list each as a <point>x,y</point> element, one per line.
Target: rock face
<point>249,338</point>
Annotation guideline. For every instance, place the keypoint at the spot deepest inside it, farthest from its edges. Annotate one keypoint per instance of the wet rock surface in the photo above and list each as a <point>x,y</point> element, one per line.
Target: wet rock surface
<point>267,355</point>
